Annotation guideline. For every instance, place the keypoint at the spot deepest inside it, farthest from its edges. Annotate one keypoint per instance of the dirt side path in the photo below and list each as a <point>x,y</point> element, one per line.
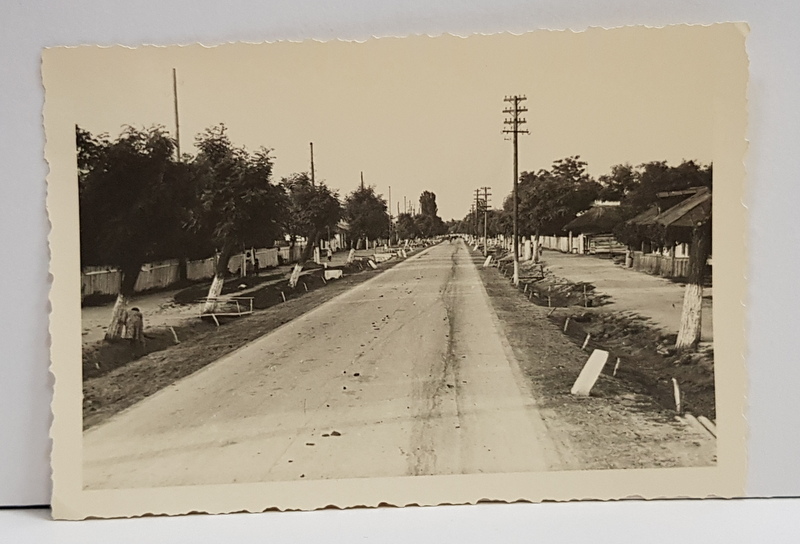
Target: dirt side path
<point>615,428</point>
<point>658,299</point>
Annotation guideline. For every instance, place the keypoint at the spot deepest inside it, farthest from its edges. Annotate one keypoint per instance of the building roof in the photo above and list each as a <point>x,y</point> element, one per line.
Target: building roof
<point>646,217</point>
<point>595,220</point>
<point>686,213</point>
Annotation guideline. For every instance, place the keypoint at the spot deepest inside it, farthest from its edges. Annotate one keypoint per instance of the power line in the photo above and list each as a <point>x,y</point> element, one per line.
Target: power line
<point>514,122</point>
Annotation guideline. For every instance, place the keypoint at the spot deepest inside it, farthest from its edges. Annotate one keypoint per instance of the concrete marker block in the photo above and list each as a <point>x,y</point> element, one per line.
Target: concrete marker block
<point>590,372</point>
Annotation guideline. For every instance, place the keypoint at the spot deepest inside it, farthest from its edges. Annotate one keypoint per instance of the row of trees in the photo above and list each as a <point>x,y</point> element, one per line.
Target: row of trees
<point>550,198</point>
<point>138,204</point>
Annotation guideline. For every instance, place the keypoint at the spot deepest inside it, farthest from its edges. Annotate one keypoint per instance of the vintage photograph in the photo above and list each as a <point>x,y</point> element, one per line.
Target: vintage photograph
<point>448,264</point>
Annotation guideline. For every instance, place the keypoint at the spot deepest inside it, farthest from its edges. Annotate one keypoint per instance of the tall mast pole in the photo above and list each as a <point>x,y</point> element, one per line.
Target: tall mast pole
<point>177,122</point>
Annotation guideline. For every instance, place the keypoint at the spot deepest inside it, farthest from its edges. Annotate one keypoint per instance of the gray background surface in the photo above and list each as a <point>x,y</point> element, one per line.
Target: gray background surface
<point>773,166</point>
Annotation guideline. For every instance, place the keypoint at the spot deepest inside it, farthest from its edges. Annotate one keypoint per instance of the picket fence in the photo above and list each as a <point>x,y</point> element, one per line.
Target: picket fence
<point>661,265</point>
<point>104,280</point>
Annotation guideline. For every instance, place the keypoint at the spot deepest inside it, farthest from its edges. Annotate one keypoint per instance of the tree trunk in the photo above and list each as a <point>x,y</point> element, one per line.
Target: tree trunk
<point>130,274</point>
<point>690,328</point>
<point>536,248</point>
<point>220,270</point>
<point>183,268</point>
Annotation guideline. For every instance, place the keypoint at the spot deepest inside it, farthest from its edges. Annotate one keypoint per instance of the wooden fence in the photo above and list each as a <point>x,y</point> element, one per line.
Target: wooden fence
<point>559,243</point>
<point>661,265</point>
<point>104,280</point>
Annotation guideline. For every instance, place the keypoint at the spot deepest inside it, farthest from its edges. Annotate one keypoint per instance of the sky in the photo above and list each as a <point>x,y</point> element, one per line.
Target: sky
<point>419,113</point>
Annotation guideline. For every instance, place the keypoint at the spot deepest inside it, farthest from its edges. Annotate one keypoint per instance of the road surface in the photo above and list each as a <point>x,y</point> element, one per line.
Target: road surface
<point>406,374</point>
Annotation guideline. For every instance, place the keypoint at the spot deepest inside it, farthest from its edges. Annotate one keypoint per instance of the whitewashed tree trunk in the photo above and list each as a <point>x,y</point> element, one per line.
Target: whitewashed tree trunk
<point>213,292</point>
<point>690,329</point>
<point>295,277</point>
<point>221,269</point>
<point>536,252</point>
<point>130,273</point>
<point>118,314</point>
<point>689,332</point>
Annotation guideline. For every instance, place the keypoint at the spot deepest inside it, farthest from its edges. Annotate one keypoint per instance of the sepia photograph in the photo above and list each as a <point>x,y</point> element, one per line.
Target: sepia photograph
<point>414,270</point>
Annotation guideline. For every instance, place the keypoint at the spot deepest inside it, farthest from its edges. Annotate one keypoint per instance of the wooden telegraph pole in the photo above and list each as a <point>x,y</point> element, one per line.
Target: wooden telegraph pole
<point>313,183</point>
<point>177,122</point>
<point>477,213</point>
<point>514,122</point>
<point>486,196</point>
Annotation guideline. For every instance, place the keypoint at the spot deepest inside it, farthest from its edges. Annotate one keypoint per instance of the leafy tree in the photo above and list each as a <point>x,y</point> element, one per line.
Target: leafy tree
<point>312,210</point>
<point>407,227</point>
<point>239,206</point>
<point>427,204</point>
<point>366,213</point>
<point>429,224</point>
<point>549,199</point>
<point>130,194</point>
<point>619,183</point>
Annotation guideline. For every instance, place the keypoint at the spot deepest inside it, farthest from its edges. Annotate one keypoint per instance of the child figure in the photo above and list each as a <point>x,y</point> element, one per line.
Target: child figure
<point>134,327</point>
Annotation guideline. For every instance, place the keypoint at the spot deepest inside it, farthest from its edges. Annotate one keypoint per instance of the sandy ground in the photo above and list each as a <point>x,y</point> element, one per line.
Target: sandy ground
<point>406,374</point>
<point>656,298</point>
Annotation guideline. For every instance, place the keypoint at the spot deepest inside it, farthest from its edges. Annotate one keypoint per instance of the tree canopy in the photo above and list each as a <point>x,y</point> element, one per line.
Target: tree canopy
<point>131,192</point>
<point>239,205</point>
<point>549,199</point>
<point>366,213</point>
<point>312,208</point>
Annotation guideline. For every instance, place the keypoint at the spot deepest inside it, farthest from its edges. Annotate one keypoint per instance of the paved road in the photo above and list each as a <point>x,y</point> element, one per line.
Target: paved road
<point>407,374</point>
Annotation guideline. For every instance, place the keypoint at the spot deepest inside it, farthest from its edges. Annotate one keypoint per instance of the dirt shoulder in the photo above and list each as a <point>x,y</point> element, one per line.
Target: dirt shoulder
<point>109,391</point>
<point>618,426</point>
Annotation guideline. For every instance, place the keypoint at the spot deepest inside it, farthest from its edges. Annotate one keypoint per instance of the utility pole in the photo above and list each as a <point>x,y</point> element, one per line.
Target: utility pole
<point>514,122</point>
<point>362,181</point>
<point>313,184</point>
<point>390,215</point>
<point>477,212</point>
<point>486,196</point>
<point>177,123</point>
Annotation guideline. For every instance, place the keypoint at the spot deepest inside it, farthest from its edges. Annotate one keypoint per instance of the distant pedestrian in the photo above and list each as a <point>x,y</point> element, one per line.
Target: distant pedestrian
<point>134,327</point>
<point>329,252</point>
